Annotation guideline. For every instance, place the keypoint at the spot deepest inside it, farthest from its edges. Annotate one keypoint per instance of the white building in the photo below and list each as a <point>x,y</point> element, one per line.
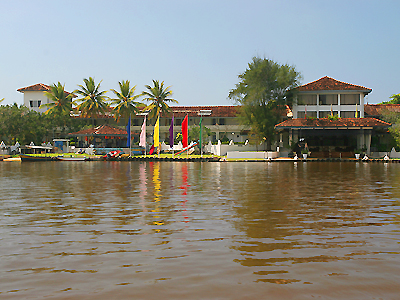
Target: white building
<point>327,96</point>
<point>34,96</point>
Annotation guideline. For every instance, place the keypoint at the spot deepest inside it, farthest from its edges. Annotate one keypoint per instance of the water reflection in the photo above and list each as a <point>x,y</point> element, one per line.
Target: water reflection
<point>101,229</point>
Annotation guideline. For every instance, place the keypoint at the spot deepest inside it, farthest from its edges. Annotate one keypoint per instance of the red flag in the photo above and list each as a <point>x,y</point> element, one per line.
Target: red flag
<point>151,150</point>
<point>185,132</point>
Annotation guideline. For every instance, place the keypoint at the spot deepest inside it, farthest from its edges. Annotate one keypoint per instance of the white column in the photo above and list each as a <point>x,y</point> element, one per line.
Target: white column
<point>368,141</point>
<point>361,105</point>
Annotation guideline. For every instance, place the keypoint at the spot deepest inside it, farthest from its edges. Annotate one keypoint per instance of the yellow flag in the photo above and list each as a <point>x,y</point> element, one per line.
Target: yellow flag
<point>356,111</point>
<point>157,132</point>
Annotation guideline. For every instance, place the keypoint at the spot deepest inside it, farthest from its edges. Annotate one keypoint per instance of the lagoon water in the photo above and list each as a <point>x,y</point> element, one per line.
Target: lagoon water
<point>177,230</point>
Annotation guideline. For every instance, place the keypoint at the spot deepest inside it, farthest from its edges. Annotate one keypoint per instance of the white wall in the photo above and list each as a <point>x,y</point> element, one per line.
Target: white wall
<point>35,96</point>
<point>252,155</point>
<point>222,150</point>
<point>327,108</point>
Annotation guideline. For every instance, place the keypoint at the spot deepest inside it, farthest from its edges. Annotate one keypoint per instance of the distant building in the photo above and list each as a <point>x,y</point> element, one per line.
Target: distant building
<point>329,116</point>
<point>34,96</point>
<point>327,96</point>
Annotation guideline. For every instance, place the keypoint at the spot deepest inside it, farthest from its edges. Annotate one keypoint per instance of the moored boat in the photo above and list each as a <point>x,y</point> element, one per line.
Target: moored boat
<point>27,157</point>
<point>71,158</point>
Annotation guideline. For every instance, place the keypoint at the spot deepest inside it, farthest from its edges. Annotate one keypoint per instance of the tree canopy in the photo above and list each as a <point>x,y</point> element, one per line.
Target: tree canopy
<point>158,95</point>
<point>125,101</point>
<point>264,89</point>
<point>61,101</point>
<point>93,101</point>
<point>395,99</point>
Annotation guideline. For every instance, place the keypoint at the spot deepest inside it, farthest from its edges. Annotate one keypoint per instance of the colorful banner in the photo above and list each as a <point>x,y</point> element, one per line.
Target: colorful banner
<point>185,132</point>
<point>128,129</point>
<point>157,133</point>
<point>142,142</point>
<point>171,133</point>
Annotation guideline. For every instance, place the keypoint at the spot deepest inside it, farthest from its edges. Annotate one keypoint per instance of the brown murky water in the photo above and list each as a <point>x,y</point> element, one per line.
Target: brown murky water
<point>135,230</point>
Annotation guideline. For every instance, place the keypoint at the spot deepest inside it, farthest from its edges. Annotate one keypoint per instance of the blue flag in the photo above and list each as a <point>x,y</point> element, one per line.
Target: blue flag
<point>128,129</point>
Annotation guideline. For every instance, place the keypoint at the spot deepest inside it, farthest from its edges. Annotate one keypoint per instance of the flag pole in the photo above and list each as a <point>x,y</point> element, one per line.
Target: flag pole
<point>145,140</point>
<point>201,148</point>
<point>187,151</point>
<point>130,136</point>
<point>172,131</point>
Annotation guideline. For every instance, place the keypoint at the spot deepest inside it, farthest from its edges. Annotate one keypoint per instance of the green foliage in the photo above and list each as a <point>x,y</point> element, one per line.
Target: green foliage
<point>395,99</point>
<point>18,123</point>
<point>178,137</point>
<point>225,140</point>
<point>194,133</point>
<point>305,151</point>
<point>263,91</point>
<point>333,118</point>
<point>93,101</point>
<point>23,125</point>
<point>61,101</point>
<point>394,119</point>
<point>158,95</point>
<point>125,101</point>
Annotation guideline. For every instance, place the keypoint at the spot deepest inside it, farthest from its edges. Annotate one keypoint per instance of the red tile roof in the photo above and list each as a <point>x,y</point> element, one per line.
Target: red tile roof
<point>36,87</point>
<point>103,130</point>
<point>378,109</point>
<point>325,123</point>
<point>216,111</point>
<point>329,84</point>
<point>39,87</point>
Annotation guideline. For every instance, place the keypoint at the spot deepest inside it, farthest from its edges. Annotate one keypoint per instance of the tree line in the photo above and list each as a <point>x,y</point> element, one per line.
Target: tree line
<point>18,123</point>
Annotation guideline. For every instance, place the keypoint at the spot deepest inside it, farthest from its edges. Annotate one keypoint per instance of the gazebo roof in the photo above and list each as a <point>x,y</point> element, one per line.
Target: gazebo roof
<point>103,130</point>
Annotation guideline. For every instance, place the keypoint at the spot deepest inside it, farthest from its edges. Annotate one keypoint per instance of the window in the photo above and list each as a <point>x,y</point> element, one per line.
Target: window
<point>302,114</point>
<point>349,99</point>
<point>307,99</point>
<point>35,103</point>
<point>328,99</point>
<point>324,114</point>
<point>349,114</point>
<point>221,121</point>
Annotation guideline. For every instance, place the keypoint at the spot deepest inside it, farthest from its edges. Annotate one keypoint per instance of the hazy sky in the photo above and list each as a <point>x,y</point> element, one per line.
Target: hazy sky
<point>196,47</point>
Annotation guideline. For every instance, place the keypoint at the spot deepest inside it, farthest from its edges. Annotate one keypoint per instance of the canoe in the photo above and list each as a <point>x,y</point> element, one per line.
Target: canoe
<point>27,157</point>
<point>70,158</point>
<point>12,159</point>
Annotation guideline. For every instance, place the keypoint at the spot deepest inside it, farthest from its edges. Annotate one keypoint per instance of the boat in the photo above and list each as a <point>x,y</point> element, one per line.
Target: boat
<point>27,157</point>
<point>12,159</point>
<point>113,155</point>
<point>72,158</point>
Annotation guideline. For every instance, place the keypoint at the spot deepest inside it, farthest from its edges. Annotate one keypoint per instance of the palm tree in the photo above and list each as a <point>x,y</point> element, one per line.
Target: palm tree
<point>93,101</point>
<point>158,95</point>
<point>125,101</point>
<point>61,101</point>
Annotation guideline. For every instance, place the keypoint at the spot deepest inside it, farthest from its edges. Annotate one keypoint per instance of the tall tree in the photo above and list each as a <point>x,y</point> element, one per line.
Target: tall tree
<point>264,89</point>
<point>61,101</point>
<point>158,95</point>
<point>93,101</point>
<point>395,99</point>
<point>125,101</point>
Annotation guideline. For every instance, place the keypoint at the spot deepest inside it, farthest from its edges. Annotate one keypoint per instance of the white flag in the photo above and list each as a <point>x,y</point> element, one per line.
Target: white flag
<point>142,142</point>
